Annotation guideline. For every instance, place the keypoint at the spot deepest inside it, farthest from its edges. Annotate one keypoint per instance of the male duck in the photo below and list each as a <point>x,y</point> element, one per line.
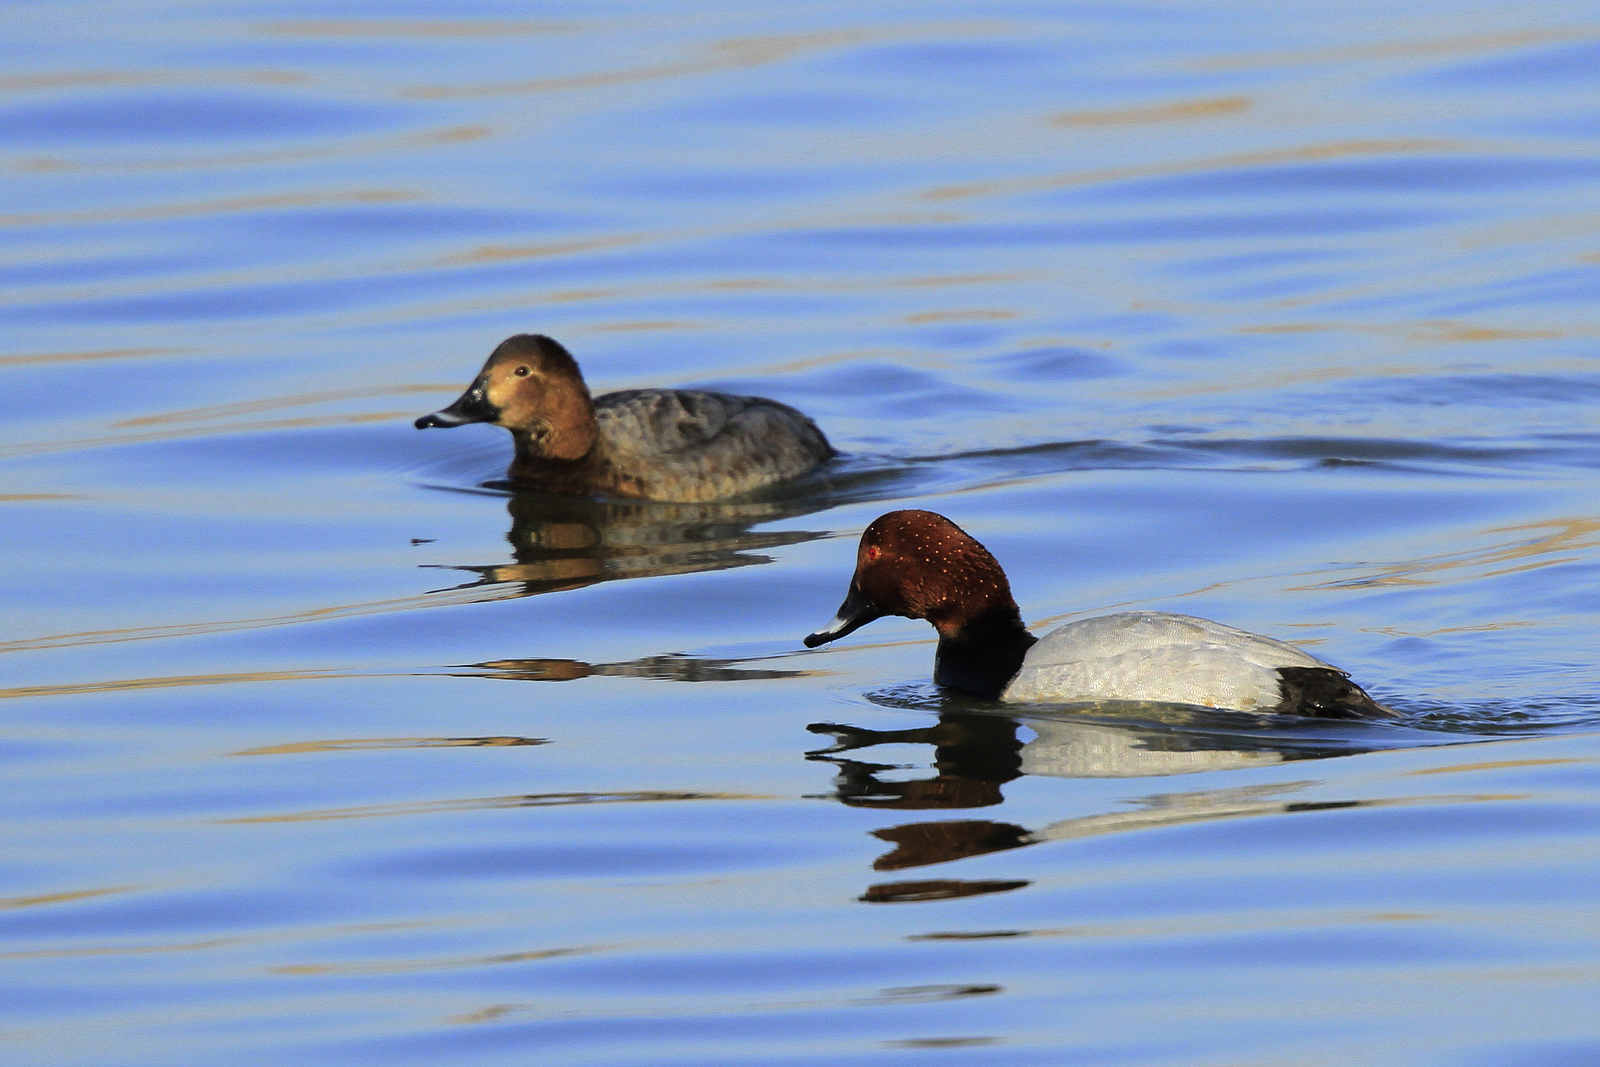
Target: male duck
<point>920,565</point>
<point>657,444</point>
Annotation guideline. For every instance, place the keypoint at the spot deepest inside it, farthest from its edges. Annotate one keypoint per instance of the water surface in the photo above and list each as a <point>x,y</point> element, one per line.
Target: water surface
<point>321,745</point>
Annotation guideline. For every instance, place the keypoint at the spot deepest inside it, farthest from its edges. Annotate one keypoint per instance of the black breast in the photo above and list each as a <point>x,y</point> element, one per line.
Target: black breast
<point>1326,694</point>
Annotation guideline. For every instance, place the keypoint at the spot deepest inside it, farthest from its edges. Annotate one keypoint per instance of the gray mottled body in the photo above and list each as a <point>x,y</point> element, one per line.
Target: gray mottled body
<point>675,444</point>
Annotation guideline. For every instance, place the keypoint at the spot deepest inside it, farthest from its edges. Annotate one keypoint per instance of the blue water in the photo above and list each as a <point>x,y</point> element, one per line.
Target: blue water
<point>319,747</point>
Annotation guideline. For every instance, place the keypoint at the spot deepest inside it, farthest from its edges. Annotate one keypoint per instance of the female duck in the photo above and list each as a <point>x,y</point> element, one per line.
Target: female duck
<point>923,566</point>
<point>658,444</point>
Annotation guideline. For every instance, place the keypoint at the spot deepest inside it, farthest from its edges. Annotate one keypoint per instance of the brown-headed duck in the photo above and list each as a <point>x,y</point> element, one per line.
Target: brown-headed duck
<point>655,444</point>
<point>920,565</point>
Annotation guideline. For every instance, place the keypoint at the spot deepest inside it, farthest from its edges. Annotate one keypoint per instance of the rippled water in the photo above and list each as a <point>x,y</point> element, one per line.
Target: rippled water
<point>320,746</point>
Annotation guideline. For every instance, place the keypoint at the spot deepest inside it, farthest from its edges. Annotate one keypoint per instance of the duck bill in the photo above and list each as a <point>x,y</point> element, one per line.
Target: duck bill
<point>856,611</point>
<point>471,406</point>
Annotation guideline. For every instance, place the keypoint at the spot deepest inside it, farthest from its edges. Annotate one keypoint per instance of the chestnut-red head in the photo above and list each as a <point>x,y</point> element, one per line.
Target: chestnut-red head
<point>920,565</point>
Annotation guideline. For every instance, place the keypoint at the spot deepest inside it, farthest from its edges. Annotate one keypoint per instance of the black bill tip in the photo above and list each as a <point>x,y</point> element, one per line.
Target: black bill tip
<point>856,611</point>
<point>471,406</point>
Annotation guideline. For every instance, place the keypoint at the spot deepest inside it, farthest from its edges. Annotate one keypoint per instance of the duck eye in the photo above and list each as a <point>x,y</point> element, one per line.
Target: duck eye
<point>873,552</point>
<point>521,372</point>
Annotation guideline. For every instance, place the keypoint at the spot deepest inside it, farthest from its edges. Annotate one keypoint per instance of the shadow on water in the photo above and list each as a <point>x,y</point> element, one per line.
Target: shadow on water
<point>978,751</point>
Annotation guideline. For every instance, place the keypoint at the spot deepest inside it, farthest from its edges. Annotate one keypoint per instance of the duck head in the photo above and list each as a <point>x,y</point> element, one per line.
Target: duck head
<point>531,386</point>
<point>920,565</point>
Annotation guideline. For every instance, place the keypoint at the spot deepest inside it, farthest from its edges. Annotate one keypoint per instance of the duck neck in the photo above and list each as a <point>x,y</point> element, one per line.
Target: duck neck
<point>534,464</point>
<point>984,653</point>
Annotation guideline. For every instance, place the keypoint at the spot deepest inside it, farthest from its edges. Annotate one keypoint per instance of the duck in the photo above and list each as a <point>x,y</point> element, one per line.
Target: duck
<point>653,444</point>
<point>920,565</point>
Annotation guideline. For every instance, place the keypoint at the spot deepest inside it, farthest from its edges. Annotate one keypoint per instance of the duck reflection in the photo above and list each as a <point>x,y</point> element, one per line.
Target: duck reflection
<point>562,542</point>
<point>976,753</point>
<point>565,542</point>
<point>673,667</point>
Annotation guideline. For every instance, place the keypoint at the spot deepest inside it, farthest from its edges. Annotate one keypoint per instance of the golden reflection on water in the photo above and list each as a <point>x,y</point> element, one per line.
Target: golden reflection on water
<point>580,296</point>
<point>209,208</point>
<point>93,354</point>
<point>1498,765</point>
<point>1468,332</point>
<point>647,326</point>
<point>441,598</point>
<point>1410,49</point>
<point>1275,377</point>
<point>69,897</point>
<point>653,290</point>
<point>304,422</point>
<point>1546,232</point>
<point>207,944</point>
<point>971,315</point>
<point>172,681</point>
<point>737,53</point>
<point>1327,150</point>
<point>1268,378</point>
<point>426,28</point>
<point>55,81</point>
<point>1177,111</point>
<point>1554,542</point>
<point>360,147</point>
<point>232,410</point>
<point>1431,330</point>
<point>120,949</point>
<point>1561,541</point>
<point>542,250</point>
